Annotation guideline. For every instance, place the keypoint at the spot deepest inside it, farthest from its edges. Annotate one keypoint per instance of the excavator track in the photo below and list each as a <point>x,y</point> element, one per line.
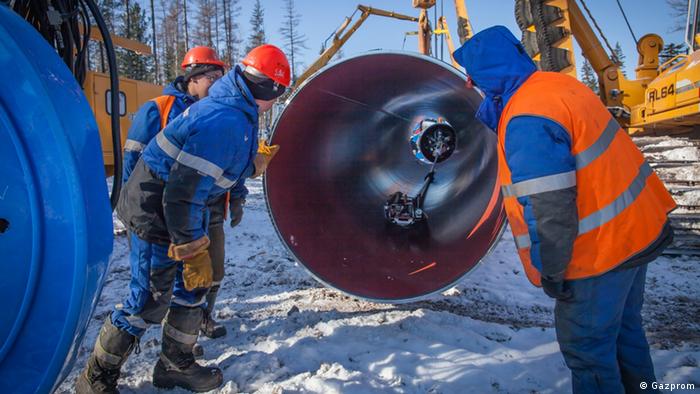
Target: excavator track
<point>677,161</point>
<point>537,14</point>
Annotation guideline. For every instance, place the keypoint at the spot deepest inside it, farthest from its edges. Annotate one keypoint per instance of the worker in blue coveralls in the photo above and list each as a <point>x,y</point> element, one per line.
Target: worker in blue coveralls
<point>196,158</point>
<point>202,68</point>
<point>586,210</point>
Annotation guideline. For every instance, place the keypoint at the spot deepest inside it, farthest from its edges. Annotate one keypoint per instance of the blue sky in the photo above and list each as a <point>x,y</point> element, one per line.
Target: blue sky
<point>320,18</point>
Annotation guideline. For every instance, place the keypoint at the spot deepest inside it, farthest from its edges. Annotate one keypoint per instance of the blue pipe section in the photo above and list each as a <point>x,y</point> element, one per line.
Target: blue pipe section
<point>55,219</point>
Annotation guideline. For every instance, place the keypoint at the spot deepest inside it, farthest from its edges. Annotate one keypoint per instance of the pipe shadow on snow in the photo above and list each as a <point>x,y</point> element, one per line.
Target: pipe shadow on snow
<point>401,355</point>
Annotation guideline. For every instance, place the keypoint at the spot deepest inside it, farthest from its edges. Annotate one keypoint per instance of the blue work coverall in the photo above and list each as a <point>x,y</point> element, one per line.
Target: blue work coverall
<point>195,159</point>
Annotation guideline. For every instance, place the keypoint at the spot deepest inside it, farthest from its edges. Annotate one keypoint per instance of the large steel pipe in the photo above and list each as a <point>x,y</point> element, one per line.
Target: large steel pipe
<point>55,219</point>
<point>345,148</point>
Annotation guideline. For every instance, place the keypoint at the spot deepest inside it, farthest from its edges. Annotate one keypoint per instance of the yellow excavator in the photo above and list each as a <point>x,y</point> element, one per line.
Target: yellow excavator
<point>661,99</point>
<point>132,94</point>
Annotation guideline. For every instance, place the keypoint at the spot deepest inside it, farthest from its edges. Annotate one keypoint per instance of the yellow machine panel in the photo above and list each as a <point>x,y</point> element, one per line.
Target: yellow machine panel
<point>132,95</point>
<point>672,100</point>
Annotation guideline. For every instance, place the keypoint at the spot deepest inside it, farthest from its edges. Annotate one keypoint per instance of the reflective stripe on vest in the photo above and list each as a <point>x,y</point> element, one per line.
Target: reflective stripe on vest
<point>522,241</point>
<point>543,184</point>
<point>568,179</point>
<point>625,199</point>
<point>164,104</point>
<point>608,213</point>
<point>195,162</point>
<point>599,146</point>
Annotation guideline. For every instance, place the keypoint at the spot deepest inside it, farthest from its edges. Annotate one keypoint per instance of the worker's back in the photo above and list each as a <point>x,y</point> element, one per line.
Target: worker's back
<point>622,204</point>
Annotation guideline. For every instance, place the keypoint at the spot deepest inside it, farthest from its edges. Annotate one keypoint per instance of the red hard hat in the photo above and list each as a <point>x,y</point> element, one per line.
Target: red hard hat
<point>201,55</point>
<point>271,61</point>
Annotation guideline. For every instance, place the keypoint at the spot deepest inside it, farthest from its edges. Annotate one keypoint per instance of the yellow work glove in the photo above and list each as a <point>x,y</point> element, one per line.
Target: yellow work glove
<point>197,271</point>
<point>196,263</point>
<point>263,157</point>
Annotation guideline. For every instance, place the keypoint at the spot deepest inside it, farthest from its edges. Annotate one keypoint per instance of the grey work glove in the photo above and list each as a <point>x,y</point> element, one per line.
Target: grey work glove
<point>236,209</point>
<point>557,289</point>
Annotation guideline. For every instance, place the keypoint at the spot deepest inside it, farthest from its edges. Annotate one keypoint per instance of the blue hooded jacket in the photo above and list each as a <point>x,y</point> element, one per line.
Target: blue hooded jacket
<point>498,64</point>
<point>203,153</point>
<point>534,146</point>
<point>146,125</point>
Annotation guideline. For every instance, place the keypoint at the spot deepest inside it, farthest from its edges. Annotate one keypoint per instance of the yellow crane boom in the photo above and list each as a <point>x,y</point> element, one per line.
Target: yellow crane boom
<point>442,28</point>
<point>464,26</point>
<point>343,34</point>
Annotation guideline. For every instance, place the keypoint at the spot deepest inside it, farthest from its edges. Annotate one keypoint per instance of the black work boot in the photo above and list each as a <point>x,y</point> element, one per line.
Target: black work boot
<point>211,328</point>
<point>176,366</point>
<point>101,373</point>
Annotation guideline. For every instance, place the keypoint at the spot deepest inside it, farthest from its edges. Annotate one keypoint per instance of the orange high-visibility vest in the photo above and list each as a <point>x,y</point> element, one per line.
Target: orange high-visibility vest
<point>622,204</point>
<point>164,104</point>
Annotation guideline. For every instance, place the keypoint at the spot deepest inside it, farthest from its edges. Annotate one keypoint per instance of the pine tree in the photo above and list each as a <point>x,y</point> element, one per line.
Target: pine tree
<point>227,33</point>
<point>187,29</point>
<point>231,12</point>
<point>670,51</point>
<point>111,11</point>
<point>154,47</point>
<point>182,38</point>
<point>620,55</point>
<point>588,76</point>
<point>173,38</point>
<point>204,33</point>
<point>257,27</point>
<point>169,31</point>
<point>134,26</point>
<point>679,13</point>
<point>216,26</point>
<point>294,40</point>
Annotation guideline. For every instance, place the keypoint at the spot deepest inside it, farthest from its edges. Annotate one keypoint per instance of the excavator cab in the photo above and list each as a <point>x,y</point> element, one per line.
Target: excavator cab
<point>692,37</point>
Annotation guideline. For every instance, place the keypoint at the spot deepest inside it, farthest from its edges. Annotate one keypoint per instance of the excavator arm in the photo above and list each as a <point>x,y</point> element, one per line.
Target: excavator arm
<point>443,29</point>
<point>343,34</point>
<point>464,26</point>
<point>549,27</point>
<point>660,98</point>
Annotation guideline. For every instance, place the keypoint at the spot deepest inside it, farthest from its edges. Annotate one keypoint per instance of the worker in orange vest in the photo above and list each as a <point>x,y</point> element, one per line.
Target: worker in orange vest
<point>586,210</point>
<point>202,67</point>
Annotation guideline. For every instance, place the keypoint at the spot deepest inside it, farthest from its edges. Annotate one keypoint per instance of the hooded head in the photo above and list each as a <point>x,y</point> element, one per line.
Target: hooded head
<point>498,65</point>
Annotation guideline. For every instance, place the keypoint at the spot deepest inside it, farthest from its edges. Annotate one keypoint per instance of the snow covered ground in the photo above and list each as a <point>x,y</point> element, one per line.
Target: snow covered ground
<point>490,333</point>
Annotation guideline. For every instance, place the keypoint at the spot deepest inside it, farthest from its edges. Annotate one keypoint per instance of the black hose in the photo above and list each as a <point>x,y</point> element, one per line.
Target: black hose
<point>64,35</point>
<point>624,15</point>
<point>81,56</point>
<point>114,101</point>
